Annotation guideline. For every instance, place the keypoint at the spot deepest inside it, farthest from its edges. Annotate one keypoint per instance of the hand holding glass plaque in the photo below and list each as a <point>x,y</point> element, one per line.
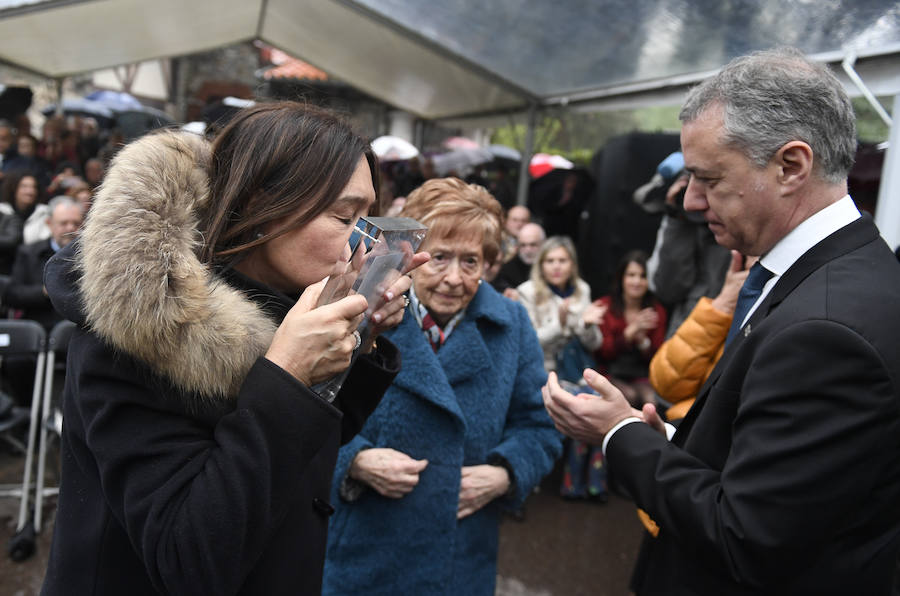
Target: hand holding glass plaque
<point>381,250</point>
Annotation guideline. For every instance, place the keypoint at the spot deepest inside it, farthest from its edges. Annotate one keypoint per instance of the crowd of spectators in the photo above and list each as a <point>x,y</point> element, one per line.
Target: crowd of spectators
<point>657,336</point>
<point>47,185</point>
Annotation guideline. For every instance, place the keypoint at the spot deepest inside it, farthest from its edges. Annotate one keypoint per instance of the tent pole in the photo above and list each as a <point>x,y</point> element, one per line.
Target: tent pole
<point>59,95</point>
<point>522,193</point>
<point>887,210</point>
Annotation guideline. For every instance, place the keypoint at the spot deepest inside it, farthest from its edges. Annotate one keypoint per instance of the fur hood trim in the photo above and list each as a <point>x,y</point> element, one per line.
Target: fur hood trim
<point>144,290</point>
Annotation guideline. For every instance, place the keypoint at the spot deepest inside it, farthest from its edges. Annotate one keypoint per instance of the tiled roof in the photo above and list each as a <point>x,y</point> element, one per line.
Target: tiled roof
<point>293,68</point>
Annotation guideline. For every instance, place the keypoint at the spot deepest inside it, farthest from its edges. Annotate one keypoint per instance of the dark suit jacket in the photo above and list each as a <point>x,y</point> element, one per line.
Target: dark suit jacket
<point>25,290</point>
<point>784,478</point>
<point>512,274</point>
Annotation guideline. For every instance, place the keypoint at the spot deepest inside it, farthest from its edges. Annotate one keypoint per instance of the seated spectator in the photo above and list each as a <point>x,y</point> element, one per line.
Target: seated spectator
<point>18,197</point>
<point>93,172</point>
<point>559,302</point>
<point>633,326</point>
<point>26,293</point>
<point>517,270</point>
<point>567,324</point>
<point>88,140</point>
<point>66,176</point>
<point>7,147</point>
<point>27,160</point>
<point>684,361</point>
<point>516,217</point>
<point>25,290</point>
<point>85,197</point>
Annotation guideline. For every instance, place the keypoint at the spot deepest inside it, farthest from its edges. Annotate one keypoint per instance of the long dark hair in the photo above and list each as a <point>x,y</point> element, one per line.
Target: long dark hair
<point>618,298</point>
<point>11,184</point>
<point>273,161</point>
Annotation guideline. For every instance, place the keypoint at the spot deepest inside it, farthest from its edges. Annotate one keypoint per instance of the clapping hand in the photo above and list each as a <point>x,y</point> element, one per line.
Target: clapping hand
<point>563,312</point>
<point>647,319</point>
<point>594,313</point>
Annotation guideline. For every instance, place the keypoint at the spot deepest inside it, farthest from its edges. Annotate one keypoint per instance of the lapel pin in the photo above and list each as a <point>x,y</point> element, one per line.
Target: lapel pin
<point>747,329</point>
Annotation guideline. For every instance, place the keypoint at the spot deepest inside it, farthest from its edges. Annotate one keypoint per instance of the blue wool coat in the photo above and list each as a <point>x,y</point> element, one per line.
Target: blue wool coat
<point>476,401</point>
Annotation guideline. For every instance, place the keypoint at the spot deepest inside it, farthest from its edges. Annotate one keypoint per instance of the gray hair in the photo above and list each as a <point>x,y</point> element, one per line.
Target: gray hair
<point>62,200</point>
<point>773,97</point>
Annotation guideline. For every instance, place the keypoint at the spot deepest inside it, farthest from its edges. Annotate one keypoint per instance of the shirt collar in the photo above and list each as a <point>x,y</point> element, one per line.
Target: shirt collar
<point>808,233</point>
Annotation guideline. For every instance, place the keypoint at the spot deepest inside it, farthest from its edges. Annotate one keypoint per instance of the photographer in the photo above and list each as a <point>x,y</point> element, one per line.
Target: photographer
<point>686,263</point>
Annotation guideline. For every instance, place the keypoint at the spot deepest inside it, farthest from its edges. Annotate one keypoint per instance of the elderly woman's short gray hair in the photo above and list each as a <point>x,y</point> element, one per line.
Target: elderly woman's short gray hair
<point>450,207</point>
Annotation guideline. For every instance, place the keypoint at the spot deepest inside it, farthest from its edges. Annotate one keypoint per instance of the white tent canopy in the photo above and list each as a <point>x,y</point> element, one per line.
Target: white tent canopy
<point>471,59</point>
<point>464,58</point>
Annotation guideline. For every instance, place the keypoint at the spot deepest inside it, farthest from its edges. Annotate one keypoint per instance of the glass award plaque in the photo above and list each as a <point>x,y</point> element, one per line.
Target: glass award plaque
<point>381,250</point>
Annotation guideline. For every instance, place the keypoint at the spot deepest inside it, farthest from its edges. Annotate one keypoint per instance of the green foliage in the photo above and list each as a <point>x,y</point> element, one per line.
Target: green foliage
<point>577,136</point>
<point>573,135</point>
<point>869,125</point>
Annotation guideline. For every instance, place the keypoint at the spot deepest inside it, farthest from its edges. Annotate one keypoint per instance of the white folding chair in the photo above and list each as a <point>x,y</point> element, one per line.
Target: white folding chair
<point>51,416</point>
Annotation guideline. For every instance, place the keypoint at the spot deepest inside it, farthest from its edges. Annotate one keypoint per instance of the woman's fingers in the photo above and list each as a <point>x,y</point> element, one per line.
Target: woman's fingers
<point>316,344</point>
<point>310,296</point>
<point>391,473</point>
<point>417,260</point>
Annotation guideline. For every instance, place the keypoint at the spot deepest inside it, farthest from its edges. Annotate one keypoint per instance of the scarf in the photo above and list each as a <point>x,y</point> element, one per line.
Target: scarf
<point>433,332</point>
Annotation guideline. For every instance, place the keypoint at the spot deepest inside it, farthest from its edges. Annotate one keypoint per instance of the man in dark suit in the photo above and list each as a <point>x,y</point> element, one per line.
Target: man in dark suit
<point>26,293</point>
<point>517,270</point>
<point>25,290</point>
<point>784,478</point>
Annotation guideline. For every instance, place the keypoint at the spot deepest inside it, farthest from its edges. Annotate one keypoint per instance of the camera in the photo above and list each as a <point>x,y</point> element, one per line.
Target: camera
<point>651,197</point>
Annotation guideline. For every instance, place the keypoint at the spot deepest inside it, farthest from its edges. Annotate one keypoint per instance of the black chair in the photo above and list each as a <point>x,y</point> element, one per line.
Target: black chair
<point>25,338</point>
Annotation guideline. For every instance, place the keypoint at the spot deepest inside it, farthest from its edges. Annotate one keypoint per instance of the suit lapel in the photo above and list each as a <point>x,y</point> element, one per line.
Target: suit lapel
<point>841,242</point>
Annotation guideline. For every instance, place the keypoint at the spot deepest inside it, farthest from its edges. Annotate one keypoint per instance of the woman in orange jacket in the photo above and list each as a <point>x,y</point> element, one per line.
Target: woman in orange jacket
<point>684,361</point>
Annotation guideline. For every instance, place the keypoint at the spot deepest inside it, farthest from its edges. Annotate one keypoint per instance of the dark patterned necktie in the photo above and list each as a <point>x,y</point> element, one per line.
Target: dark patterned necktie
<point>750,291</point>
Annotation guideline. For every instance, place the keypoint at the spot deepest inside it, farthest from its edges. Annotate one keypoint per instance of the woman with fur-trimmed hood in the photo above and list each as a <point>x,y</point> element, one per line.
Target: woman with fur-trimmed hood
<point>196,458</point>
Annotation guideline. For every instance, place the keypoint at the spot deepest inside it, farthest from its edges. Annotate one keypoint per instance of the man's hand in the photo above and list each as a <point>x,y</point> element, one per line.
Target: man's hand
<point>650,416</point>
<point>584,417</point>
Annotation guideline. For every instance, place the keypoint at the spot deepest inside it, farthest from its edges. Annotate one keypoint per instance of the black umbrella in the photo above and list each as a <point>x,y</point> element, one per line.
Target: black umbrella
<point>14,101</point>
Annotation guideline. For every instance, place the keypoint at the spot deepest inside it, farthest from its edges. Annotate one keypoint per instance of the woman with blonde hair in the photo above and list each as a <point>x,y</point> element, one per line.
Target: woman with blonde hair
<point>460,435</point>
<point>559,302</point>
<point>567,325</point>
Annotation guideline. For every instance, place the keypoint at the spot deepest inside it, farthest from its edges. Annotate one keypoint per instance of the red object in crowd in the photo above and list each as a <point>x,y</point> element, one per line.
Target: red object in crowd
<point>542,163</point>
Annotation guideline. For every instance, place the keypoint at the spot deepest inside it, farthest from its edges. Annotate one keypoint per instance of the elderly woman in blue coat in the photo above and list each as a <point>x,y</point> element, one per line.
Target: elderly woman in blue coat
<point>461,434</point>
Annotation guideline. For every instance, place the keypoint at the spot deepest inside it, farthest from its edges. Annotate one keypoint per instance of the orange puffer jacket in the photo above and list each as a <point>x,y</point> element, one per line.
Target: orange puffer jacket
<point>682,364</point>
<point>684,361</point>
